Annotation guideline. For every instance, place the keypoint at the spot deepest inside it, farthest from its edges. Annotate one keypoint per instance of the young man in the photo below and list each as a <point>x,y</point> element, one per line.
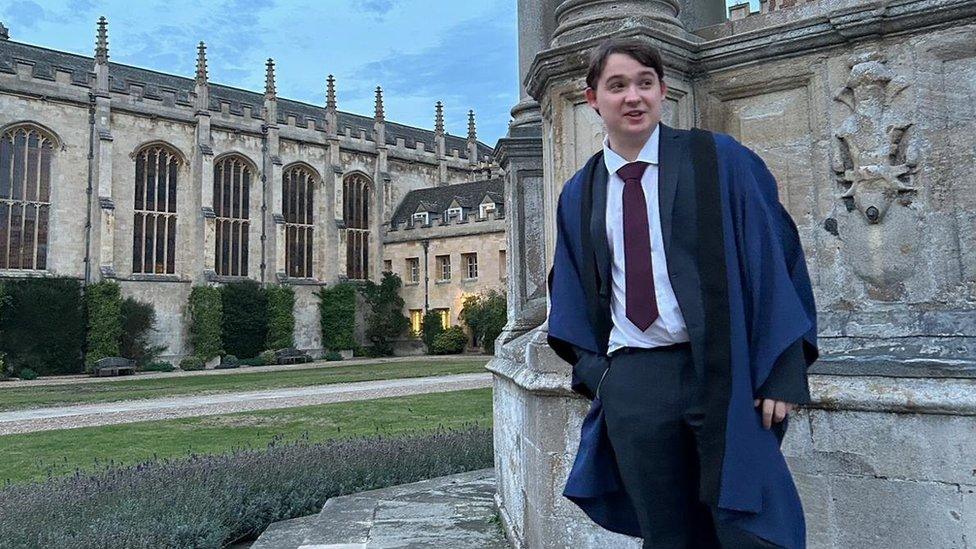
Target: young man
<point>679,292</point>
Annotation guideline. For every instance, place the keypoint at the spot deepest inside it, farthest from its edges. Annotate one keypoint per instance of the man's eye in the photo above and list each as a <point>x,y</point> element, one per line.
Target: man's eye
<point>616,86</point>
<point>647,83</point>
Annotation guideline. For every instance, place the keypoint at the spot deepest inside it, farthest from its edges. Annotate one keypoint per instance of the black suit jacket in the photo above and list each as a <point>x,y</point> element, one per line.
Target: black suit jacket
<point>676,194</point>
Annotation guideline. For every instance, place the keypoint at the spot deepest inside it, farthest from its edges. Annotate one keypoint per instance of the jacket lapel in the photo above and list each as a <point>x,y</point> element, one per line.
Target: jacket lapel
<point>598,228</point>
<point>671,148</point>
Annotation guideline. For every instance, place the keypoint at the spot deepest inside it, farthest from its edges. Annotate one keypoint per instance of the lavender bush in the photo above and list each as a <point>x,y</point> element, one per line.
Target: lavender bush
<point>212,501</point>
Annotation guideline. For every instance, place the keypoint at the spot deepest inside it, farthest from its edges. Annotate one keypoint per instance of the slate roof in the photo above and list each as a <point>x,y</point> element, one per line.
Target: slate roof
<point>440,198</point>
<point>45,61</point>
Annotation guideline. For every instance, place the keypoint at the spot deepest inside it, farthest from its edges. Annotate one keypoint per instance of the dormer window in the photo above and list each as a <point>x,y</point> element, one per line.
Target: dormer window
<point>485,209</point>
<point>422,217</point>
<point>453,213</point>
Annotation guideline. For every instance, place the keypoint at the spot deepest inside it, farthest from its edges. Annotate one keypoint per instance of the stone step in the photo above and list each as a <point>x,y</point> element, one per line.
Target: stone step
<point>448,512</point>
<point>286,533</point>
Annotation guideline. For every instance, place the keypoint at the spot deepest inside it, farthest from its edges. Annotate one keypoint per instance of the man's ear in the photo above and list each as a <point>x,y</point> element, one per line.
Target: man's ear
<point>591,98</point>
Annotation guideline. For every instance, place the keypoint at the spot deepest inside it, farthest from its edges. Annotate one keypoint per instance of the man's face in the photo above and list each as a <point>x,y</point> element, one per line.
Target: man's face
<point>628,97</point>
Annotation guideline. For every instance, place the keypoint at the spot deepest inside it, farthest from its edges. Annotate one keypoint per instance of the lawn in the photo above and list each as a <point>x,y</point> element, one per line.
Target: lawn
<point>43,396</point>
<point>34,456</point>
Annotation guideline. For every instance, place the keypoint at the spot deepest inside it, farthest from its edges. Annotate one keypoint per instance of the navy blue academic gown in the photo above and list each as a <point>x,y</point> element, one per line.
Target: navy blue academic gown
<point>757,303</point>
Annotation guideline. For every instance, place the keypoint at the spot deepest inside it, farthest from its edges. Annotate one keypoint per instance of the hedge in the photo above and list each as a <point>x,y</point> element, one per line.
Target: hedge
<point>206,312</point>
<point>138,319</point>
<point>104,303</point>
<point>281,317</point>
<point>244,325</point>
<point>450,342</point>
<point>214,501</point>
<point>337,310</point>
<point>43,325</point>
<point>384,318</point>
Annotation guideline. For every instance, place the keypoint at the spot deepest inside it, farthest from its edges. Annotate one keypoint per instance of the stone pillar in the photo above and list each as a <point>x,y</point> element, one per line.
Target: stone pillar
<point>696,14</point>
<point>332,190</point>
<point>381,193</point>
<point>472,146</point>
<point>272,163</point>
<point>440,143</point>
<point>103,242</point>
<point>203,164</point>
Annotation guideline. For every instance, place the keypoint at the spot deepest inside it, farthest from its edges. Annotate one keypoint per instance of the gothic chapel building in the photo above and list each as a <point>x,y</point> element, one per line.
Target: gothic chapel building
<point>191,182</point>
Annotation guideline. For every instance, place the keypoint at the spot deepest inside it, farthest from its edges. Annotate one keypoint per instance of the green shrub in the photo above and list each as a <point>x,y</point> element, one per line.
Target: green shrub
<point>206,312</point>
<point>244,325</point>
<point>211,501</point>
<point>485,314</point>
<point>104,304</point>
<point>159,366</point>
<point>255,361</point>
<point>332,356</point>
<point>138,319</point>
<point>431,327</point>
<point>450,342</point>
<point>337,309</point>
<point>281,317</point>
<point>43,325</point>
<point>6,370</point>
<point>27,374</point>
<point>191,363</point>
<point>384,319</point>
<point>268,358</point>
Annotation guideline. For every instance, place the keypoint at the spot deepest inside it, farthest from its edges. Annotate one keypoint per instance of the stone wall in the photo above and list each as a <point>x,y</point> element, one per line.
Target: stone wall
<point>864,113</point>
<point>485,238</point>
<point>122,109</point>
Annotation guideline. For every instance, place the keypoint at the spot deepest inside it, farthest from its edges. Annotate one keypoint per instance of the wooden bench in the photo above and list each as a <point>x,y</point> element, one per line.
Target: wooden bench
<point>114,366</point>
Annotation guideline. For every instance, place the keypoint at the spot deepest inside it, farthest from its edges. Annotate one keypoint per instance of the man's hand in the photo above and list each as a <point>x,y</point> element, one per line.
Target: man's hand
<point>773,410</point>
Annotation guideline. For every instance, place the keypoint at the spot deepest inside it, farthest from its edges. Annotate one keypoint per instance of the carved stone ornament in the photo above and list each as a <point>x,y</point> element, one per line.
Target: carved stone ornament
<point>877,161</point>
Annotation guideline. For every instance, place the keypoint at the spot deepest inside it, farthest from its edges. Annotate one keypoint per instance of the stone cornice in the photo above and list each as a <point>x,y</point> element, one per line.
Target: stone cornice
<point>824,29</point>
<point>839,27</point>
<point>454,230</point>
<point>572,59</point>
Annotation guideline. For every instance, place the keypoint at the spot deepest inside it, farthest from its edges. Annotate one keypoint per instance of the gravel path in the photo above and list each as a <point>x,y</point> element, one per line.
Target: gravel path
<point>83,379</point>
<point>88,415</point>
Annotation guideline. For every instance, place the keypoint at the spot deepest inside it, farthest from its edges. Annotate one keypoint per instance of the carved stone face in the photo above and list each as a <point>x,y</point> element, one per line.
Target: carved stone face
<point>873,199</point>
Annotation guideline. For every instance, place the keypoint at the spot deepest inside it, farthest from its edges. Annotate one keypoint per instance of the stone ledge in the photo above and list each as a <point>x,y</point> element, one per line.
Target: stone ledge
<point>526,365</point>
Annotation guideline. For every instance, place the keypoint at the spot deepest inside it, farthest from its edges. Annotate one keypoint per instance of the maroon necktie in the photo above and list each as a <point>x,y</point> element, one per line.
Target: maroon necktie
<point>641,301</point>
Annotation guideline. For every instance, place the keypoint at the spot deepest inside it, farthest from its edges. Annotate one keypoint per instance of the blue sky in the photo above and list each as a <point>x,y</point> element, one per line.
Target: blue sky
<point>420,51</point>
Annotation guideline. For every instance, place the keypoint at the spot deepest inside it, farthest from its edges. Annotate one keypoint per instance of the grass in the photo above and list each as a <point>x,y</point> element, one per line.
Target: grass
<point>41,396</point>
<point>36,456</point>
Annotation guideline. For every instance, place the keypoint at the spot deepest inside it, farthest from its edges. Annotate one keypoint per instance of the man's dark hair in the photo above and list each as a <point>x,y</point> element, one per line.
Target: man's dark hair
<point>639,50</point>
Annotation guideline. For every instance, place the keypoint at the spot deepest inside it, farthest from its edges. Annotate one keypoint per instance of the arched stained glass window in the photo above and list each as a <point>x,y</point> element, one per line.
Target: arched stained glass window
<point>231,198</point>
<point>154,218</point>
<point>297,199</point>
<point>355,197</point>
<point>25,197</point>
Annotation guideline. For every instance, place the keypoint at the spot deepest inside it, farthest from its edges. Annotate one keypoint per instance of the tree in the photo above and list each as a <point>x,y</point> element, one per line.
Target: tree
<point>485,314</point>
<point>432,327</point>
<point>384,319</point>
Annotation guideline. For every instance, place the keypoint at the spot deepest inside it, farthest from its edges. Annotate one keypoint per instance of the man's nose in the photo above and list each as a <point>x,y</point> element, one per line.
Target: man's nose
<point>632,96</point>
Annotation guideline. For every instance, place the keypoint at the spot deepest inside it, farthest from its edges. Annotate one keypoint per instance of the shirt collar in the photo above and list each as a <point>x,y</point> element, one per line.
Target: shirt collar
<point>647,154</point>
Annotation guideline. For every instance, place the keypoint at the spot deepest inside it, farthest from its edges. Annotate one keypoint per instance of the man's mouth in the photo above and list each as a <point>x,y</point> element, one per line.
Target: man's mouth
<point>633,114</point>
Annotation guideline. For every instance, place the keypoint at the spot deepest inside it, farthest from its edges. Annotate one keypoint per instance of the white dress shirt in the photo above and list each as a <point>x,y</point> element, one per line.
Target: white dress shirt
<point>669,328</point>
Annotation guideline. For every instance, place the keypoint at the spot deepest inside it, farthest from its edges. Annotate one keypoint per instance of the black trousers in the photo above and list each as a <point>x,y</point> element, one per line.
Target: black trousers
<point>653,401</point>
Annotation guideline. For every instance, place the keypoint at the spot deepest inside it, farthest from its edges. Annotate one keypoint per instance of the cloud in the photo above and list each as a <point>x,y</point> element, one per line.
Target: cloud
<point>24,14</point>
<point>377,7</point>
<point>473,65</point>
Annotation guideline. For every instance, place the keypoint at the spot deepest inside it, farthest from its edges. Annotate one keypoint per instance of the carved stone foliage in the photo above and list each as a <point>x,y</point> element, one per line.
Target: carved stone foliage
<point>876,163</point>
